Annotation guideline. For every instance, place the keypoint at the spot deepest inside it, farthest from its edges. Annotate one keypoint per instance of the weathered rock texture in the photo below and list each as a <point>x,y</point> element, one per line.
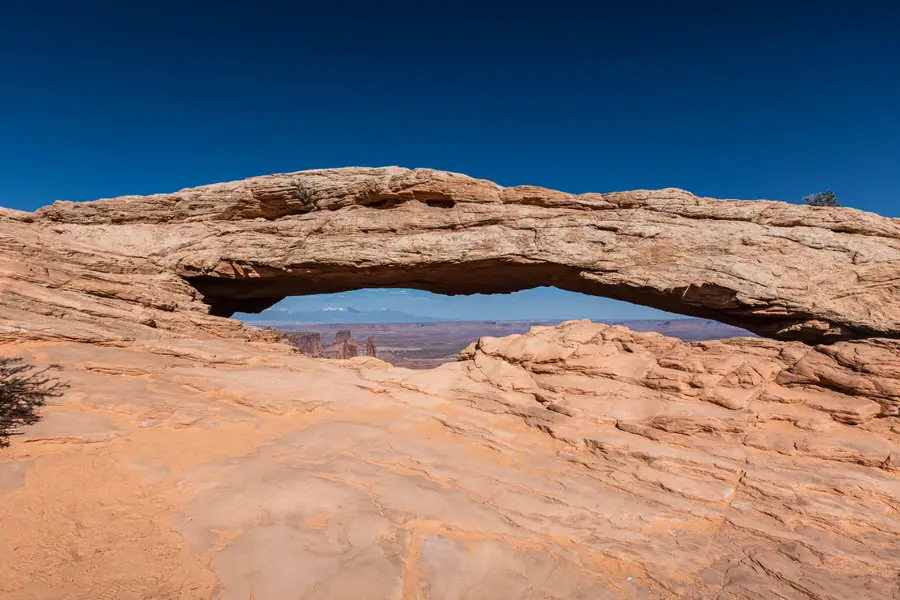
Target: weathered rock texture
<point>575,462</point>
<point>779,270</point>
<point>194,458</point>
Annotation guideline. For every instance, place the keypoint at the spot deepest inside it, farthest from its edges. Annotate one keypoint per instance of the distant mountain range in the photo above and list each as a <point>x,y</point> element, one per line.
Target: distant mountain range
<point>336,314</point>
<point>686,328</point>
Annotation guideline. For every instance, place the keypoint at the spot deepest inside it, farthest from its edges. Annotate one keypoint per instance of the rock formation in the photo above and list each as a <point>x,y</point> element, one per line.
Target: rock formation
<point>346,349</point>
<point>192,457</point>
<point>779,270</point>
<point>309,343</point>
<point>344,346</point>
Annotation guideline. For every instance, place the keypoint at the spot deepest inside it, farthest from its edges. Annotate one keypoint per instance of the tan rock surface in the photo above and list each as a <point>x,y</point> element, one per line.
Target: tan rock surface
<point>195,458</point>
<point>784,271</point>
<point>580,461</point>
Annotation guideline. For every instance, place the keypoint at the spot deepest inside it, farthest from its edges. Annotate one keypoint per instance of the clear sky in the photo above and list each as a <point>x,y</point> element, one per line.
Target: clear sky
<point>733,100</point>
<point>537,304</point>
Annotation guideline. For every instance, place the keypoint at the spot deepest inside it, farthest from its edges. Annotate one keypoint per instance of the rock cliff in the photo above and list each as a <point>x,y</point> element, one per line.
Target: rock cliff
<point>195,458</point>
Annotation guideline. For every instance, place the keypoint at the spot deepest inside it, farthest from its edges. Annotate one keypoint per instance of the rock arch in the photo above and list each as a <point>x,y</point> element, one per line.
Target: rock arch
<point>780,270</point>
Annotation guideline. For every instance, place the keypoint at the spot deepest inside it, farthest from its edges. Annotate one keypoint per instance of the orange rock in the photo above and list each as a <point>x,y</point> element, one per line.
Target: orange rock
<point>194,458</point>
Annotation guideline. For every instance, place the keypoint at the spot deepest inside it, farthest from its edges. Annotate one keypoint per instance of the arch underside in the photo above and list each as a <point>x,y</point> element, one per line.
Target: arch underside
<point>818,275</point>
<point>266,287</point>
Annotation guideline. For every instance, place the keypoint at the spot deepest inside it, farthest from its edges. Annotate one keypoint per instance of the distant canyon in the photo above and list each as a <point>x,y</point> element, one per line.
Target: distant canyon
<point>428,344</point>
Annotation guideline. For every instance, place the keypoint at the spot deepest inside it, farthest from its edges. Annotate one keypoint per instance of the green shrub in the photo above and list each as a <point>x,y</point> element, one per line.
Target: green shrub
<point>822,199</point>
<point>23,389</point>
<point>305,195</point>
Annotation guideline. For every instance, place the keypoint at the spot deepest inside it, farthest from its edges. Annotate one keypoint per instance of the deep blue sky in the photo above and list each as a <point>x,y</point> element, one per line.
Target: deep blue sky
<point>736,100</point>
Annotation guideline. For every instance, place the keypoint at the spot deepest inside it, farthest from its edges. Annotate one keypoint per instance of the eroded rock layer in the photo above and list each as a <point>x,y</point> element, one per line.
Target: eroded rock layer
<point>780,270</point>
<point>580,461</point>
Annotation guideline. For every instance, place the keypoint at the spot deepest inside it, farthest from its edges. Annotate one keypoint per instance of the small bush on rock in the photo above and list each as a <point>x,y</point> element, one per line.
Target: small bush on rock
<point>305,195</point>
<point>23,389</point>
<point>822,199</point>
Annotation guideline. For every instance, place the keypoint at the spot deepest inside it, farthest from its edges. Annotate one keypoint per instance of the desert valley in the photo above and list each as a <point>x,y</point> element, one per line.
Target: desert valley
<point>193,456</point>
<point>426,345</point>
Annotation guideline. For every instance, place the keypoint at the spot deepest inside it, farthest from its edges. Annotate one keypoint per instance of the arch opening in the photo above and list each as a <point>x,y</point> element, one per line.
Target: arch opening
<point>421,330</point>
<point>815,275</point>
<point>254,289</point>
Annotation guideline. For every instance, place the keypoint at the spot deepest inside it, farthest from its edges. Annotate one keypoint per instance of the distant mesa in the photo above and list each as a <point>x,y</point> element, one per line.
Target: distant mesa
<point>344,346</point>
<point>308,342</point>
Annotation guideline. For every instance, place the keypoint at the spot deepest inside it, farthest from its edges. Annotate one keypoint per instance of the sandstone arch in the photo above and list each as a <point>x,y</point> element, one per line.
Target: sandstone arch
<point>743,467</point>
<point>780,270</point>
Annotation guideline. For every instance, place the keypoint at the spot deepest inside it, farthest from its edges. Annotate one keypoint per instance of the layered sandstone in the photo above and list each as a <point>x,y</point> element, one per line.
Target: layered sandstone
<point>195,458</point>
<point>579,461</point>
<point>779,270</point>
